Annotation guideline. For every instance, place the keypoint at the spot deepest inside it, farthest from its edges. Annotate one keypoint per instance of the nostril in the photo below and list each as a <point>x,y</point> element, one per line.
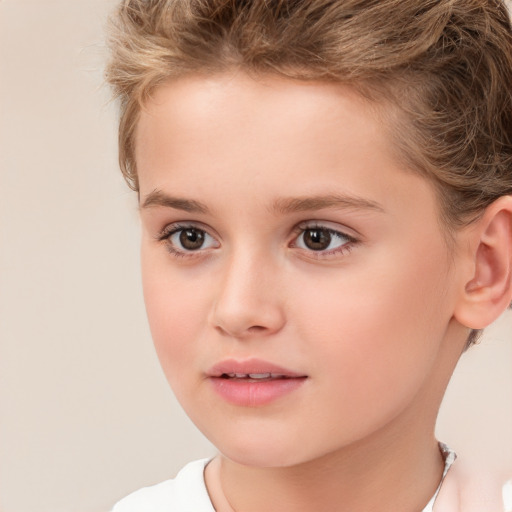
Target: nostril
<point>256,328</point>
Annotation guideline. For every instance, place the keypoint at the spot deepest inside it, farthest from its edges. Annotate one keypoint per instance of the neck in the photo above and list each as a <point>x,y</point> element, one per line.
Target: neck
<point>386,473</point>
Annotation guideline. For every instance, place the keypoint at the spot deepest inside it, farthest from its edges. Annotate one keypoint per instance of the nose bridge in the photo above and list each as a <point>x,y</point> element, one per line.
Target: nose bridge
<point>247,299</point>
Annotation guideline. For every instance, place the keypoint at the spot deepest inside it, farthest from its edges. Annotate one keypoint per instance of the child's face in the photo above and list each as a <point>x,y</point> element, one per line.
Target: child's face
<point>290,235</point>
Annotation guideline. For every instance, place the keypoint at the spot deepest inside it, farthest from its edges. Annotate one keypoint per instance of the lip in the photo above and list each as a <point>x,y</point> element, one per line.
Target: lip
<point>257,382</point>
<point>250,366</point>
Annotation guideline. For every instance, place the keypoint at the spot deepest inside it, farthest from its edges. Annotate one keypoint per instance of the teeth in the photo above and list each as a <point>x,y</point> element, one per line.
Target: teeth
<point>260,375</point>
<point>254,376</point>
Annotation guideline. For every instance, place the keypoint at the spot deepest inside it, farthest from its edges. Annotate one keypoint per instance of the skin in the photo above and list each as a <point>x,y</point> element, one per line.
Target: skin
<point>370,321</point>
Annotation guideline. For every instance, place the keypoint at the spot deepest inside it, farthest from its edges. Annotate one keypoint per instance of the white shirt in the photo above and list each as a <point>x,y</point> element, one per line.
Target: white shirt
<point>185,493</point>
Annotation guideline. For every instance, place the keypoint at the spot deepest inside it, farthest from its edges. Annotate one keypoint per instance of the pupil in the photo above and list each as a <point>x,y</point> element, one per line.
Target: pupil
<point>191,239</point>
<point>317,239</point>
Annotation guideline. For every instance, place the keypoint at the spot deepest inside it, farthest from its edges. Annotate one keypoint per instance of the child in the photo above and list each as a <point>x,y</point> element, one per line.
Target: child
<point>325,191</point>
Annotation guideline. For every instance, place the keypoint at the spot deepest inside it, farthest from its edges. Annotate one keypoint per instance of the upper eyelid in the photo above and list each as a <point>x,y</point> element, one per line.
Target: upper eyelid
<point>328,225</point>
<point>174,227</point>
<point>341,234</point>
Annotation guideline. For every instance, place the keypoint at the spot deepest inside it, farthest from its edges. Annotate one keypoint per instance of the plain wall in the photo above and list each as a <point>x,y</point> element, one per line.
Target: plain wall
<point>86,415</point>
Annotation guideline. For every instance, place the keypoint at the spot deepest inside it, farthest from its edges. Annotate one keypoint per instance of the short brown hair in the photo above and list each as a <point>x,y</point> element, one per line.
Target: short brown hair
<point>444,65</point>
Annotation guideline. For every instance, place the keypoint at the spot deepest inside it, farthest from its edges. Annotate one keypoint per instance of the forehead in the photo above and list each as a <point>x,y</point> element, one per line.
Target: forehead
<point>257,120</point>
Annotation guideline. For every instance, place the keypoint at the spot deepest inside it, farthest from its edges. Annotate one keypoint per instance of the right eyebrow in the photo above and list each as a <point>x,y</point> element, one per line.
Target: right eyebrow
<point>159,198</point>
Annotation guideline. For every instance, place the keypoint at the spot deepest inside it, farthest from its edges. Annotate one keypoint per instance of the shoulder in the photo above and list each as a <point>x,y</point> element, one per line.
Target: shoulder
<point>185,493</point>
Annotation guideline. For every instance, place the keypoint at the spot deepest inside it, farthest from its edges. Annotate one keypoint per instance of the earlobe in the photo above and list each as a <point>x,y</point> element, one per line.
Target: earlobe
<point>488,290</point>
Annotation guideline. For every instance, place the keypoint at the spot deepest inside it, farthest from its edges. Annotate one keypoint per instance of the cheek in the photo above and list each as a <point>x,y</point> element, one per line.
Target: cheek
<point>174,308</point>
<point>377,332</point>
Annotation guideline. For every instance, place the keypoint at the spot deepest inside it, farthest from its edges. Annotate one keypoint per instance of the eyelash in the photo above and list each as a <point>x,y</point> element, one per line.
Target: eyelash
<point>165,235</point>
<point>325,254</point>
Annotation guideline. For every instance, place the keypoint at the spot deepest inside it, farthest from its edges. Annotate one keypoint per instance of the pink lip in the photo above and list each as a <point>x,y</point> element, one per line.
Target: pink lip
<point>250,366</point>
<point>250,392</point>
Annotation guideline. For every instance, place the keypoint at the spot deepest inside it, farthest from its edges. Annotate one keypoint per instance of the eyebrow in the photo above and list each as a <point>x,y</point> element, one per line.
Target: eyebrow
<point>280,206</point>
<point>159,198</point>
<point>335,201</point>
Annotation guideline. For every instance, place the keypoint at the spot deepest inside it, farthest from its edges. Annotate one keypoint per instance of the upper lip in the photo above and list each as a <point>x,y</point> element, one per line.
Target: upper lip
<point>250,366</point>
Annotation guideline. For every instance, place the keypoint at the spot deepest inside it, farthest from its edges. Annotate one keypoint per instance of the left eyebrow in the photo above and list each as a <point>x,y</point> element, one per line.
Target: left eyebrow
<point>342,202</point>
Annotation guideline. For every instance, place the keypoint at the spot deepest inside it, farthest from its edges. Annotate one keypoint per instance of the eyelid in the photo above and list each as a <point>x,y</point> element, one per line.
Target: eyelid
<point>173,227</point>
<point>349,233</point>
<point>330,227</point>
<point>165,234</point>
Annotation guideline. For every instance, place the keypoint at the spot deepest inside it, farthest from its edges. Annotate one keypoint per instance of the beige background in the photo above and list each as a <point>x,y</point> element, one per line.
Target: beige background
<point>86,415</point>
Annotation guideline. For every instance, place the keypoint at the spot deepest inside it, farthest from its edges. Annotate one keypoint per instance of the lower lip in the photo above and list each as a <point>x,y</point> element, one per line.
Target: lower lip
<point>250,393</point>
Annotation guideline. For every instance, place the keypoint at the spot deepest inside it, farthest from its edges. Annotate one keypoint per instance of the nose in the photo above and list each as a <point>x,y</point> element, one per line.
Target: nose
<point>248,299</point>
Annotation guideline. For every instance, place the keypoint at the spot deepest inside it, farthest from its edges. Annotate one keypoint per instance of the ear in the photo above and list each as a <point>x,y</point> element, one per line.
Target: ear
<point>488,284</point>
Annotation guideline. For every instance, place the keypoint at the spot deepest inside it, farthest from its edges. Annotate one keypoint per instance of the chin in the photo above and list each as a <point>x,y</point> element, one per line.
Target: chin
<point>262,449</point>
<point>263,458</point>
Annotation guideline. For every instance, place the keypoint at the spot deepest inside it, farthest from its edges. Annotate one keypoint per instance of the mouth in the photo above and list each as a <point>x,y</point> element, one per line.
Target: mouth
<point>253,382</point>
<point>252,369</point>
<point>256,377</point>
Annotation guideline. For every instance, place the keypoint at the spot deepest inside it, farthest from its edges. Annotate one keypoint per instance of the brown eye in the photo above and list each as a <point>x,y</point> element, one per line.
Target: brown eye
<point>323,239</point>
<point>191,239</point>
<point>317,239</point>
<point>185,240</point>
